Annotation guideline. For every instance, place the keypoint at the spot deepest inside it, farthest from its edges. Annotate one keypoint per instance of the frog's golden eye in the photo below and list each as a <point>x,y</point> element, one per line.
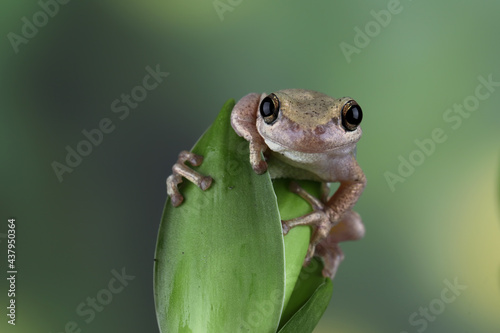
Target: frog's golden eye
<point>269,108</point>
<point>351,115</point>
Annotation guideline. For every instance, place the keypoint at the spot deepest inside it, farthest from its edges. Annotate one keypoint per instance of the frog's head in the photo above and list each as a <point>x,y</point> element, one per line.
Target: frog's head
<point>308,121</point>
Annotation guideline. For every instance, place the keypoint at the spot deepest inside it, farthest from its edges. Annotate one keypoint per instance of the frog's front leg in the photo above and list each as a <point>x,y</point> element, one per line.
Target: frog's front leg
<point>326,216</point>
<point>179,170</point>
<point>327,234</point>
<point>243,121</point>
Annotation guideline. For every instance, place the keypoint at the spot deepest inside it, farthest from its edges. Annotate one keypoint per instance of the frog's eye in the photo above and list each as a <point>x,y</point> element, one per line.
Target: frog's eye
<point>351,115</point>
<point>269,108</point>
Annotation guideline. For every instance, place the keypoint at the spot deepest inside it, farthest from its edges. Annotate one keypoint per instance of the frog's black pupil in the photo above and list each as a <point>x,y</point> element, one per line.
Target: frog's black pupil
<point>354,115</point>
<point>267,107</point>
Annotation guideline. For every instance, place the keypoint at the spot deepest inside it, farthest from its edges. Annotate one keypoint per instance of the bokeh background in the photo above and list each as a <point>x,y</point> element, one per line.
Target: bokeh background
<point>440,224</point>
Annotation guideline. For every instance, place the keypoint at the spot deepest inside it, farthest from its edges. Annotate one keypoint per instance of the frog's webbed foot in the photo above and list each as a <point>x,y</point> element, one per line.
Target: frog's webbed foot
<point>179,170</point>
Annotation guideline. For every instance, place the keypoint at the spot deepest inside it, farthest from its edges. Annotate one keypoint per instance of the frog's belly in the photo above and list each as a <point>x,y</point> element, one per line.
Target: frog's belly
<point>319,167</point>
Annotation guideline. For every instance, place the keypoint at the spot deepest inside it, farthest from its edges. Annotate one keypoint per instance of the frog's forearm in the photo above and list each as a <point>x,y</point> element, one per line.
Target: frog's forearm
<point>243,120</point>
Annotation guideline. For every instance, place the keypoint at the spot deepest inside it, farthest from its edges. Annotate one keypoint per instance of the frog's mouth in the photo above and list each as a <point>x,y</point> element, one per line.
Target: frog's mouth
<point>301,148</point>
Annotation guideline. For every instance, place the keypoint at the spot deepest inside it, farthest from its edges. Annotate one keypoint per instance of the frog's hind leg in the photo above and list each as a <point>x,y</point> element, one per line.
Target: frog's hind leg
<point>327,234</point>
<point>349,228</point>
<point>319,219</point>
<point>179,170</point>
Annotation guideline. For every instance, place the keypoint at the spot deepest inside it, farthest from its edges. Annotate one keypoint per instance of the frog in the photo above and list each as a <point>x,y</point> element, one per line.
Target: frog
<point>301,135</point>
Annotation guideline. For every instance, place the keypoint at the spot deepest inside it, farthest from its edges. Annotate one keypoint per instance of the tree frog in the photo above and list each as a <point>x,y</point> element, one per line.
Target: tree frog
<point>304,135</point>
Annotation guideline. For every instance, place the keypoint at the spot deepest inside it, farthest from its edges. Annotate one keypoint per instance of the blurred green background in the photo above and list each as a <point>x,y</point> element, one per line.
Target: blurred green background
<point>440,224</point>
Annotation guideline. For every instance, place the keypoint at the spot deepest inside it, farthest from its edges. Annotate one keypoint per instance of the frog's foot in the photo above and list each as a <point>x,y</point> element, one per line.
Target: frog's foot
<point>319,219</point>
<point>179,170</point>
<point>332,256</point>
<point>313,219</point>
<point>258,164</point>
<point>349,228</point>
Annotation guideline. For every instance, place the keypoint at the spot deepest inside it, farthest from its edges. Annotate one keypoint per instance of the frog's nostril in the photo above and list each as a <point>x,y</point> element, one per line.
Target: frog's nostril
<point>320,129</point>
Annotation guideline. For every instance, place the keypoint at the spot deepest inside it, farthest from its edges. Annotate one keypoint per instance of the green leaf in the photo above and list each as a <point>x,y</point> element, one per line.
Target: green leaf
<point>301,282</point>
<point>310,279</point>
<point>308,316</point>
<point>220,255</point>
<point>297,240</point>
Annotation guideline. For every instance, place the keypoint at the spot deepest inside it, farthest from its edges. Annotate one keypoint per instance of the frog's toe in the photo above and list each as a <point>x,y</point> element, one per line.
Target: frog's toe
<point>173,182</point>
<point>187,156</point>
<point>285,227</point>
<point>310,254</point>
<point>176,200</point>
<point>332,256</point>
<point>259,166</point>
<point>206,182</point>
<point>315,203</point>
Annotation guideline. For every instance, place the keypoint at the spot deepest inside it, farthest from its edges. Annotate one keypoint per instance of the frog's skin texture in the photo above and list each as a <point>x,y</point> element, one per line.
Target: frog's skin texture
<point>303,135</point>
